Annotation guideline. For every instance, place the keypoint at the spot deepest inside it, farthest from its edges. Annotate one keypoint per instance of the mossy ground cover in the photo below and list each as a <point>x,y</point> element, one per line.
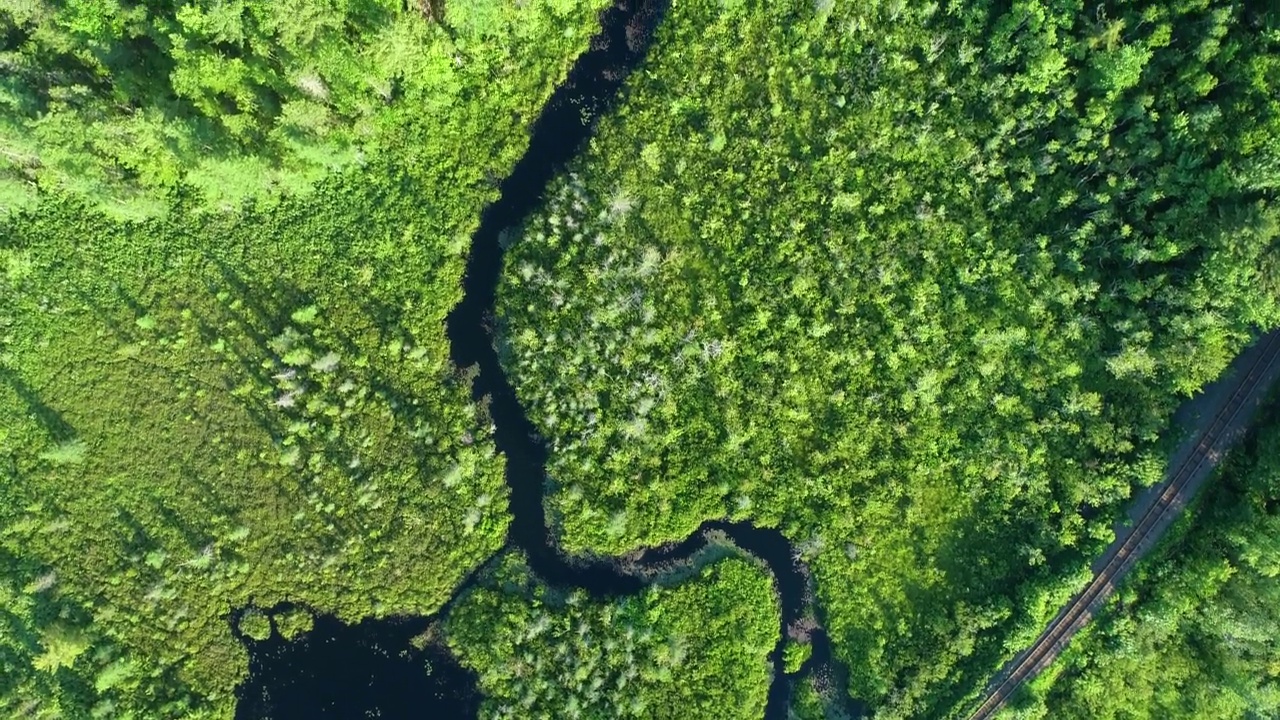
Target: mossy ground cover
<point>698,649</point>
<point>207,410</point>
<point>918,283</point>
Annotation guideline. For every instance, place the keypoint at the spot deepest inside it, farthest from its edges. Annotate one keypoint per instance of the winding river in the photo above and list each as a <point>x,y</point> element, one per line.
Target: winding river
<point>597,76</point>
<point>344,670</point>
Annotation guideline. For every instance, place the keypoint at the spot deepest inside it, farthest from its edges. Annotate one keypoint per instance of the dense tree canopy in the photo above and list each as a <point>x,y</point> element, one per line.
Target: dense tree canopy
<point>125,99</point>
<point>919,283</point>
<point>695,650</point>
<point>1194,636</point>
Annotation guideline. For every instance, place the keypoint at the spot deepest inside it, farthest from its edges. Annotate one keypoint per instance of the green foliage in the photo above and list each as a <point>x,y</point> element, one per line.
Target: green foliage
<point>795,654</point>
<point>814,698</point>
<point>255,625</point>
<point>919,284</point>
<point>62,645</point>
<point>805,703</point>
<point>696,650</point>
<point>123,101</point>
<point>1194,635</point>
<point>205,411</point>
<point>294,623</point>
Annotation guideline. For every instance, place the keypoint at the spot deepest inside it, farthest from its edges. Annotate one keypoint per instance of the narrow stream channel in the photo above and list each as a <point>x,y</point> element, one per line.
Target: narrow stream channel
<point>593,84</point>
<point>308,680</point>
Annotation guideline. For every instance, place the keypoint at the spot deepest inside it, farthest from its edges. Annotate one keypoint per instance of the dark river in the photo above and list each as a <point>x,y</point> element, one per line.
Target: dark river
<point>365,670</point>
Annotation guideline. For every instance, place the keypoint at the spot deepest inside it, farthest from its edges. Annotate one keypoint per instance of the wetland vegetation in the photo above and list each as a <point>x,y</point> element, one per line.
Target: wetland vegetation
<point>299,362</point>
<point>1193,635</point>
<point>697,649</point>
<point>204,410</point>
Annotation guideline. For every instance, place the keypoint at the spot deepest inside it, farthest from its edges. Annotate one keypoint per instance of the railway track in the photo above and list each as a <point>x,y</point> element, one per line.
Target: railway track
<point>1120,558</point>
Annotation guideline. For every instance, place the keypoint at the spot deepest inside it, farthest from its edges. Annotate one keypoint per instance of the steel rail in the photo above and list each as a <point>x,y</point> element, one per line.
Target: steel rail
<point>1063,627</point>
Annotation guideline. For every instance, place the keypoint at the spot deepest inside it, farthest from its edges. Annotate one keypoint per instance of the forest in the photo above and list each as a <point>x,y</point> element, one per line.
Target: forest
<point>126,101</point>
<point>204,410</point>
<point>693,650</point>
<point>916,286</point>
<point>997,249</point>
<point>1194,635</point>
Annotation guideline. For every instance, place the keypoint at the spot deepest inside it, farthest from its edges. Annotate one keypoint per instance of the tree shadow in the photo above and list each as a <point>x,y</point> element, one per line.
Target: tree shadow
<point>52,420</point>
<point>265,310</point>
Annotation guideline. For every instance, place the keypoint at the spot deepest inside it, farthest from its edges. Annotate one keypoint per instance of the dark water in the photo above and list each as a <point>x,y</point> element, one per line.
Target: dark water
<point>369,670</point>
<point>557,136</point>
